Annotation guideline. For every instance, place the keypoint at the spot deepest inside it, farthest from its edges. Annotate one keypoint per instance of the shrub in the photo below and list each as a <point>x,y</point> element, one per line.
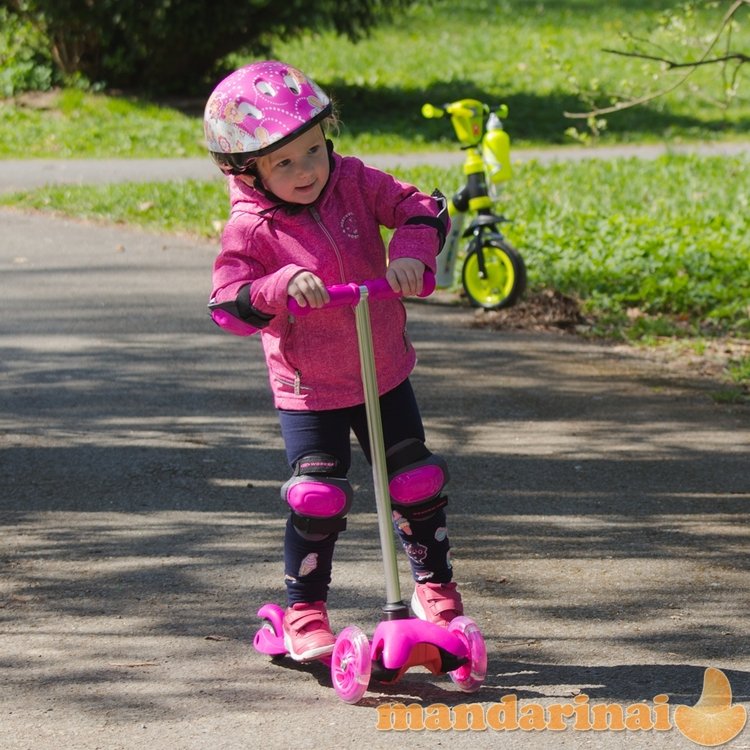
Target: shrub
<point>25,65</point>
<point>171,46</point>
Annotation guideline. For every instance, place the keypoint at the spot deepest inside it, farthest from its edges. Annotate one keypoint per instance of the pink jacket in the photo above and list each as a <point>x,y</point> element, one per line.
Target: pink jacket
<point>313,361</point>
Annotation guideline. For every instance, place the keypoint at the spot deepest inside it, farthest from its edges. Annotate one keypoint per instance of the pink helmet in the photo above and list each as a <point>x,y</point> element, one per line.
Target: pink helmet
<point>257,109</point>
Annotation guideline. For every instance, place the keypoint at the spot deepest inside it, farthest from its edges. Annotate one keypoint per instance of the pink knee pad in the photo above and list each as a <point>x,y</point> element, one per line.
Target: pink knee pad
<point>318,497</point>
<point>416,484</point>
<point>319,502</point>
<point>416,479</point>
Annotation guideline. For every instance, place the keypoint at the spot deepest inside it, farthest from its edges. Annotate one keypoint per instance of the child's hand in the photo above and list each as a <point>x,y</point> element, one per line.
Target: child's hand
<point>405,275</point>
<point>308,289</point>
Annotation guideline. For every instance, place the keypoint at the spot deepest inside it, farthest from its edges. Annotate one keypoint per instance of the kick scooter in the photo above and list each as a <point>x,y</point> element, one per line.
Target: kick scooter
<point>399,641</point>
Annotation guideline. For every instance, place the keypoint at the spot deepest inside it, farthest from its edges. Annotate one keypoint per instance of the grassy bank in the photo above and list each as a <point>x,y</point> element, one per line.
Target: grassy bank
<point>542,59</point>
<point>649,246</point>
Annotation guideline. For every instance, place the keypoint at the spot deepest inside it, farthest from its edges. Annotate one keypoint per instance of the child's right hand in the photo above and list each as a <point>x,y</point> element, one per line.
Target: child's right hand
<point>308,289</point>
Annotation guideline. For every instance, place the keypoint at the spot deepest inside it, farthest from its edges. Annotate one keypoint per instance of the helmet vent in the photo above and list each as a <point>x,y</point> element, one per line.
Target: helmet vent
<point>292,84</point>
<point>265,88</point>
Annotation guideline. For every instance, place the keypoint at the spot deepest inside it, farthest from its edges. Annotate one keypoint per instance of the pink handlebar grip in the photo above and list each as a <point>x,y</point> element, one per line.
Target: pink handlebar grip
<point>347,295</point>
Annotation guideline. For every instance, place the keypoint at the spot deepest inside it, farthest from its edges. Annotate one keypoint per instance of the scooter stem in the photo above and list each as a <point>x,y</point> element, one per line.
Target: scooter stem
<point>394,608</point>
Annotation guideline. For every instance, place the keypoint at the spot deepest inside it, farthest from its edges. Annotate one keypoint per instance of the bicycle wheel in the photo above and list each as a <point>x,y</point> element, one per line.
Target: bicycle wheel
<point>503,280</point>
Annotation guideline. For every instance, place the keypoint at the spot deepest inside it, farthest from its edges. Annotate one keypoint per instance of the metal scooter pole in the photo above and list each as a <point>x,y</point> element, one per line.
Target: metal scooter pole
<point>394,608</point>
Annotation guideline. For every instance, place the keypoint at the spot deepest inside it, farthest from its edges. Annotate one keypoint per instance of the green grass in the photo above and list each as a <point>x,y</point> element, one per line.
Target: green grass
<point>668,237</point>
<point>72,123</point>
<point>739,370</point>
<point>192,207</point>
<point>540,58</point>
<point>653,248</point>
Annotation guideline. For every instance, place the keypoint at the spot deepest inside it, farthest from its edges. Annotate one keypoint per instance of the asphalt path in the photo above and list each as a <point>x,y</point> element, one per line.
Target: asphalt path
<point>25,174</point>
<point>598,514</point>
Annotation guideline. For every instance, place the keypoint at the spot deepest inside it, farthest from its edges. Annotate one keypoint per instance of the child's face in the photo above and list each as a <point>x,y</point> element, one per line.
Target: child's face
<point>298,171</point>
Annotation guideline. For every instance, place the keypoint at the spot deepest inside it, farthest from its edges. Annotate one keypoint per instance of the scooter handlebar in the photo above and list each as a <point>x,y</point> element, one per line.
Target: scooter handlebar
<point>348,295</point>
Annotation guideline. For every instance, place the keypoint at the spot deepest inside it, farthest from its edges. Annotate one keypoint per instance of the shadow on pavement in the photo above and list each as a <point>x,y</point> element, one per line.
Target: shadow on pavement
<point>598,509</point>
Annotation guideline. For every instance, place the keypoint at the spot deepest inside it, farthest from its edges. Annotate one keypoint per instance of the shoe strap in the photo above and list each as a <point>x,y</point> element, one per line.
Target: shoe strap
<point>443,599</point>
<point>444,605</point>
<point>301,620</point>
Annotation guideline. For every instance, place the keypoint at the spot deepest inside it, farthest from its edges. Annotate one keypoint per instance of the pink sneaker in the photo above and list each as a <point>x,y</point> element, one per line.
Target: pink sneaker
<point>438,603</point>
<point>307,634</point>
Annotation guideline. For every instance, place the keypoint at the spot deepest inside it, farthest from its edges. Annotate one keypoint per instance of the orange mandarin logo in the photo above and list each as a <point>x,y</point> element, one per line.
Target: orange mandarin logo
<point>712,721</point>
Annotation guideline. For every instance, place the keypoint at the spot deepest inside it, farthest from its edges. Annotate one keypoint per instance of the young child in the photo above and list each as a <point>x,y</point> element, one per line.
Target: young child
<point>303,218</point>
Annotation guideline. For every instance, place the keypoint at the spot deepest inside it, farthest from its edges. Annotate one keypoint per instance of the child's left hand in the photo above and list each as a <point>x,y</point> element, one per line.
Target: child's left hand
<point>405,275</point>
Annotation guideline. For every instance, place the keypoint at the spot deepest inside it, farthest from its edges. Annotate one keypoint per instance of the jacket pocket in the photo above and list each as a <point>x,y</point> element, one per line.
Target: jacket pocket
<point>289,385</point>
<point>290,380</point>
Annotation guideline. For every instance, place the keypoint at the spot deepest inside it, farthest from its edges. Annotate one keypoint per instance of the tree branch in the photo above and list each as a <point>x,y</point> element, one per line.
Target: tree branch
<point>672,64</point>
<point>692,67</point>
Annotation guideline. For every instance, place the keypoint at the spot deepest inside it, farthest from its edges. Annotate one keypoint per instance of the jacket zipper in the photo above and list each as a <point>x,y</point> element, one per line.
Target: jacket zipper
<point>296,384</point>
<point>339,260</point>
<point>319,221</point>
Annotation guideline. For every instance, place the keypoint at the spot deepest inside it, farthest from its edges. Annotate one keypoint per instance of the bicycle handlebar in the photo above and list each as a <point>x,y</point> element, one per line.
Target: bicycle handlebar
<point>348,295</point>
<point>430,111</point>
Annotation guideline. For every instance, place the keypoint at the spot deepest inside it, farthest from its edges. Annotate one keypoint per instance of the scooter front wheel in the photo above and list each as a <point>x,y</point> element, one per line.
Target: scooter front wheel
<point>470,676</point>
<point>351,664</point>
<point>494,274</point>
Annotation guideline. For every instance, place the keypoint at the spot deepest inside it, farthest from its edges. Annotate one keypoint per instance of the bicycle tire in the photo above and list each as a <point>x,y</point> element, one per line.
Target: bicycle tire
<point>505,278</point>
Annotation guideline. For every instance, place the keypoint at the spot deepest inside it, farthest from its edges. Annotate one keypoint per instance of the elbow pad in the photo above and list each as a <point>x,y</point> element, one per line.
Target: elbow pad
<point>441,223</point>
<point>239,316</point>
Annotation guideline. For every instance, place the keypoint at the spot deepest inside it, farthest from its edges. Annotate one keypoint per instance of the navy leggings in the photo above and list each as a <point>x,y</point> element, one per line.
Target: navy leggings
<point>308,562</point>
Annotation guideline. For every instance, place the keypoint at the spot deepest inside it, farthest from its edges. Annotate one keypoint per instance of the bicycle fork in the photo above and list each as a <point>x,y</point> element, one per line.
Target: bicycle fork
<point>446,261</point>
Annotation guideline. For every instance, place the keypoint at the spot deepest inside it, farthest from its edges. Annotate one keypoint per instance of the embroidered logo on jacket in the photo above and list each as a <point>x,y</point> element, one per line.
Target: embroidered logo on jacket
<point>349,226</point>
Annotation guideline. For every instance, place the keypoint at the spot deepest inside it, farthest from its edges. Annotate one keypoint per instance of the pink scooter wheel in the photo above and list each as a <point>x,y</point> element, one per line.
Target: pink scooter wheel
<point>470,676</point>
<point>351,664</point>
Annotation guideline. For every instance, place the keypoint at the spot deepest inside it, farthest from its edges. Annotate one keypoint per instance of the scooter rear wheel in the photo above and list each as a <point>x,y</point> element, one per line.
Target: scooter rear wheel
<point>269,639</point>
<point>351,664</point>
<point>470,676</point>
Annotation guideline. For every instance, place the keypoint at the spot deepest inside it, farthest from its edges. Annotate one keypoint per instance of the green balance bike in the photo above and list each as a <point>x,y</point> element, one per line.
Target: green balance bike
<point>493,273</point>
